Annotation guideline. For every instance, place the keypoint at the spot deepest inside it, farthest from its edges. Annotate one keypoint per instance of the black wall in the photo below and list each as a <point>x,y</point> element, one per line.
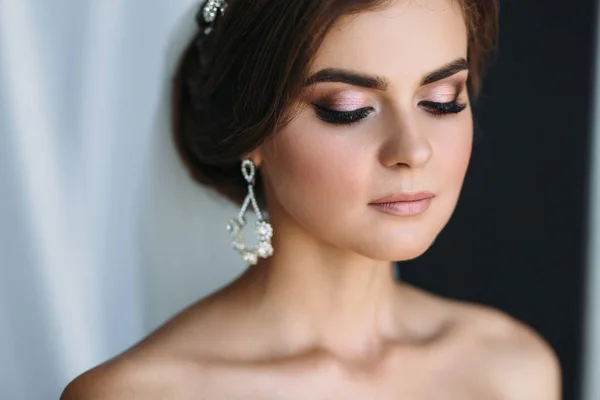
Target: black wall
<point>517,240</point>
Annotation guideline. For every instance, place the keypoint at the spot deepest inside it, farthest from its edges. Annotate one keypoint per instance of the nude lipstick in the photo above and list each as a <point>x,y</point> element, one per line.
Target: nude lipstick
<point>404,204</point>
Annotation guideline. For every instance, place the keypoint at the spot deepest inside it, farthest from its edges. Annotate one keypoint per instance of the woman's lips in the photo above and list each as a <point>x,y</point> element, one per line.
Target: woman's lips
<point>404,207</point>
<point>405,204</point>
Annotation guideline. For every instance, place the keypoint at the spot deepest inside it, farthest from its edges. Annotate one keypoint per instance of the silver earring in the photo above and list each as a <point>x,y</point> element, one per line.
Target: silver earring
<point>263,229</point>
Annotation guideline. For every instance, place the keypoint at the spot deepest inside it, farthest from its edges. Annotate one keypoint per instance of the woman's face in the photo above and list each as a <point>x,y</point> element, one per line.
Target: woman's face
<point>386,111</point>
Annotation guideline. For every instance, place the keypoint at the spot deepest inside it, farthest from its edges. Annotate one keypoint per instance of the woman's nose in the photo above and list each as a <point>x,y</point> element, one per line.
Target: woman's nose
<point>407,144</point>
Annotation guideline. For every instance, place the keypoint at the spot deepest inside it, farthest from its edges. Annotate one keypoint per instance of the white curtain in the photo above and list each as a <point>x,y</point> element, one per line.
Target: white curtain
<point>102,234</point>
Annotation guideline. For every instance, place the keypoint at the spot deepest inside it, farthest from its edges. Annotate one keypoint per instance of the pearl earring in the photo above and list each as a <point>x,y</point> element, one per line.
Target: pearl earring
<point>263,229</point>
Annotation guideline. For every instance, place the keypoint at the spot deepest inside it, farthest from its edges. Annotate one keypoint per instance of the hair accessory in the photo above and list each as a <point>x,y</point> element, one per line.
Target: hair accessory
<point>208,14</point>
<point>263,229</point>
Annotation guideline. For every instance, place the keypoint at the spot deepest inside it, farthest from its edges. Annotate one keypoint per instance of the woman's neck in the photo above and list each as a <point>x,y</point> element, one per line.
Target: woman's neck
<point>325,297</point>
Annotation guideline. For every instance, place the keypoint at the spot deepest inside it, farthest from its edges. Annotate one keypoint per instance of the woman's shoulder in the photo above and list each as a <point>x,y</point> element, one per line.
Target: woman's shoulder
<point>518,361</point>
<point>489,343</point>
<point>127,378</point>
<point>160,366</point>
<point>137,375</point>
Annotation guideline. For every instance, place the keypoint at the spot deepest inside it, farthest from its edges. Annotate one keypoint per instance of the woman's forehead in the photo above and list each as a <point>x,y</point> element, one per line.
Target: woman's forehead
<point>406,38</point>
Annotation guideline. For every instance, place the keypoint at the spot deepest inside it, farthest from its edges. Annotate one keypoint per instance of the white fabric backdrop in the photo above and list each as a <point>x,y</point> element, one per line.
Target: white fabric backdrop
<point>103,236</point>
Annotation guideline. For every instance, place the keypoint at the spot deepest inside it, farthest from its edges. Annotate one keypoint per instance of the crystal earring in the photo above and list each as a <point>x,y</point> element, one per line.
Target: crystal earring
<point>263,229</point>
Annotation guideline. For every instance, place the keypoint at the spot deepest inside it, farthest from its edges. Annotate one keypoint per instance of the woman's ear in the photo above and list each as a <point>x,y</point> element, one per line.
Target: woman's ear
<point>255,156</point>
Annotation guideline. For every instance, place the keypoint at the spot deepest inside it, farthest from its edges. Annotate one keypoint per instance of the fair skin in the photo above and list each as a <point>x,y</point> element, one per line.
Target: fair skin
<point>323,318</point>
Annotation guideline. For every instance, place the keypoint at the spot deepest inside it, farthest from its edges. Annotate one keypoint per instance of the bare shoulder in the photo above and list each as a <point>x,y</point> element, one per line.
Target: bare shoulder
<point>519,363</point>
<point>133,377</point>
<point>158,367</point>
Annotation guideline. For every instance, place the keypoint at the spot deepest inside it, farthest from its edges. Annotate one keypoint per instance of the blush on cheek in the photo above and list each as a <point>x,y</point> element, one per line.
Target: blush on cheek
<point>455,154</point>
<point>314,171</point>
<point>323,167</point>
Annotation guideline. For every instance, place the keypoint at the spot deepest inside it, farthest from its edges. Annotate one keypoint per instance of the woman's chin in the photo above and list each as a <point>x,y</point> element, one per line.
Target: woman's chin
<point>399,251</point>
<point>408,254</point>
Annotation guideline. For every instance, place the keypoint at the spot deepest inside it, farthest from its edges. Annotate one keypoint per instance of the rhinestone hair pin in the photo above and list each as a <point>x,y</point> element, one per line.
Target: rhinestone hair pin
<point>209,13</point>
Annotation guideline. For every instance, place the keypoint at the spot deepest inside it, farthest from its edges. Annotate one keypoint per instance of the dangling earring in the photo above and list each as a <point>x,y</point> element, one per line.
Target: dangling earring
<point>263,230</point>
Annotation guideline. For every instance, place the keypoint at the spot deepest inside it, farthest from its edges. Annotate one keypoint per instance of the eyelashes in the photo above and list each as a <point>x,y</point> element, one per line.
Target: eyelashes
<point>341,117</point>
<point>443,108</point>
<point>351,117</point>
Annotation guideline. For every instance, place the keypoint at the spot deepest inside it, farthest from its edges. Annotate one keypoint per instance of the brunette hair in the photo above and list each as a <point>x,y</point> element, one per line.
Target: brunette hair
<point>234,87</point>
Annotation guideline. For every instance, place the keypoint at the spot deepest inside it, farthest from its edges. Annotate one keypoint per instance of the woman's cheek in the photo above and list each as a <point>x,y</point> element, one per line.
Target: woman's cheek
<point>455,151</point>
<point>317,167</point>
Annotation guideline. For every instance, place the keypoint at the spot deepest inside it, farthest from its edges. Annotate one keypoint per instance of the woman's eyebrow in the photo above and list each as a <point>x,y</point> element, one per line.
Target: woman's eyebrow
<point>349,77</point>
<point>446,71</point>
<point>380,83</point>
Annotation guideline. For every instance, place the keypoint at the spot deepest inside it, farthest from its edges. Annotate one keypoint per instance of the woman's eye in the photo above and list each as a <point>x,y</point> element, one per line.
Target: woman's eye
<point>350,117</point>
<point>341,117</point>
<point>443,108</point>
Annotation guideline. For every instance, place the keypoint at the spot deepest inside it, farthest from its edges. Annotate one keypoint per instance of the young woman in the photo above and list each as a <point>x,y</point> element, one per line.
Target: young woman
<point>346,127</point>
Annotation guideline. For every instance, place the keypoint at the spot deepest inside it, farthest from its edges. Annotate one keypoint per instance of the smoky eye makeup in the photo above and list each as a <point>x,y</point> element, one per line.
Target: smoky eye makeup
<point>444,99</point>
<point>342,117</point>
<point>349,107</point>
<point>342,108</point>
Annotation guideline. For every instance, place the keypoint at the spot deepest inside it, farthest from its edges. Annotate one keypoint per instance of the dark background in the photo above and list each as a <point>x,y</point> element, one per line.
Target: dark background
<point>517,240</point>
